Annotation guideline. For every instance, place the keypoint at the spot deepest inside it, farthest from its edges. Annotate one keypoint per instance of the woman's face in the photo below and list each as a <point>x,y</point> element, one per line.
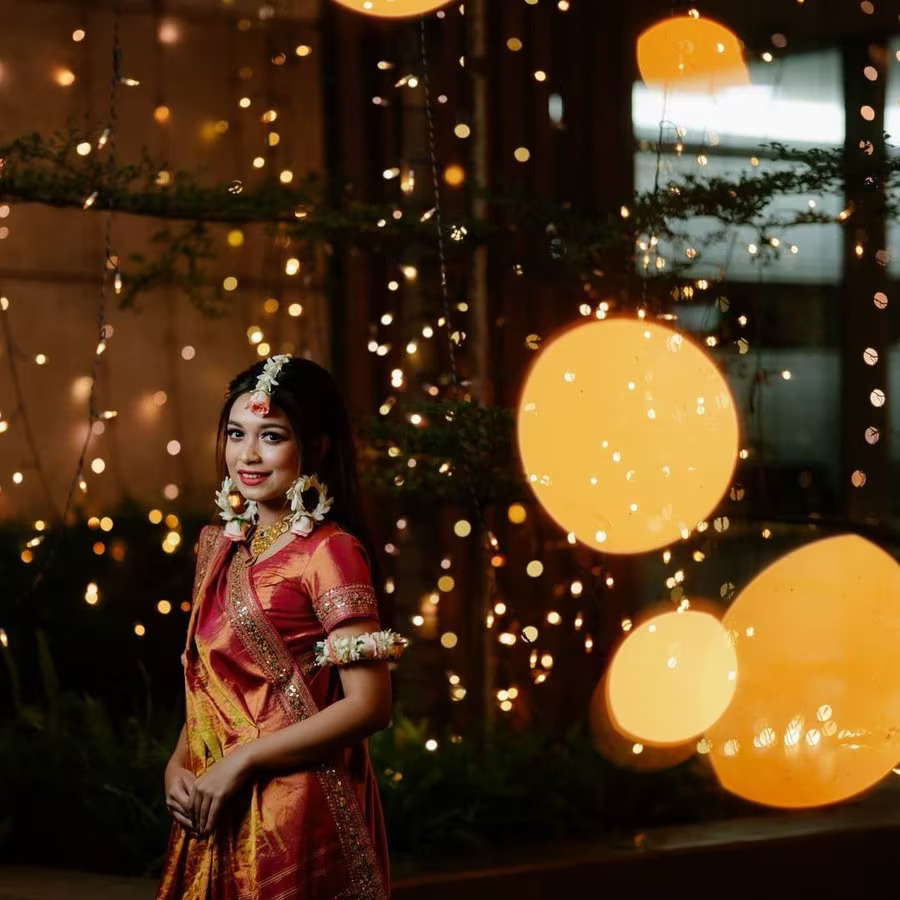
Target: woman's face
<point>261,454</point>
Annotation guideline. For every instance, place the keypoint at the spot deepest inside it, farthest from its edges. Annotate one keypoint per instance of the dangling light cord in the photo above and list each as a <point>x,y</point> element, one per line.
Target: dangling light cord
<point>490,540</point>
<point>110,269</point>
<point>445,295</point>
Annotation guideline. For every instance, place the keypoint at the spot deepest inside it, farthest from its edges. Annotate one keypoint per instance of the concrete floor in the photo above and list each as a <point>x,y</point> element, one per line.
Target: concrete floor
<point>45,884</point>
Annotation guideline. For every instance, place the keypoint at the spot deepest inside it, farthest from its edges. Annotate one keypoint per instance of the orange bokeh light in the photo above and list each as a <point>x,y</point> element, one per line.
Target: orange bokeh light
<point>454,175</point>
<point>688,53</point>
<point>623,750</point>
<point>64,77</point>
<point>672,678</point>
<point>393,9</point>
<point>814,718</point>
<point>628,434</point>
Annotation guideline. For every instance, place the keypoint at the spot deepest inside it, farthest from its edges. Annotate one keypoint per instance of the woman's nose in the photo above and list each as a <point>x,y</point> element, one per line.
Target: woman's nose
<point>250,451</point>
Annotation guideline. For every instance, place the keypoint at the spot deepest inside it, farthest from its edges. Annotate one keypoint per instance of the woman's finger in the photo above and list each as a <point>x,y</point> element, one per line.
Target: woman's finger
<point>180,795</point>
<point>204,813</point>
<point>182,820</point>
<point>212,816</point>
<point>181,805</point>
<point>196,802</point>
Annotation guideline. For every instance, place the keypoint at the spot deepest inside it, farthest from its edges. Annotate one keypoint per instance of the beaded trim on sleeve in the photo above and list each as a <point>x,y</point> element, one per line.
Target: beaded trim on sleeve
<point>369,647</point>
<point>347,601</point>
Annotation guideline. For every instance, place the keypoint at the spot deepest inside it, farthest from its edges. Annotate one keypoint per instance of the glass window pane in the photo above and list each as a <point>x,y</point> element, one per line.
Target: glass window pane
<point>797,100</point>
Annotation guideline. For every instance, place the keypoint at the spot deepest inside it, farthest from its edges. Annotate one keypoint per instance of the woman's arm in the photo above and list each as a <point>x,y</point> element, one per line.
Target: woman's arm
<point>178,781</point>
<point>179,757</point>
<point>364,709</point>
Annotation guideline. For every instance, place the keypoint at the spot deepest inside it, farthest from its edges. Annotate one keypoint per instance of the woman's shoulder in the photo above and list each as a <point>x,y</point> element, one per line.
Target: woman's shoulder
<point>209,536</point>
<point>326,544</point>
<point>329,535</point>
<point>208,541</point>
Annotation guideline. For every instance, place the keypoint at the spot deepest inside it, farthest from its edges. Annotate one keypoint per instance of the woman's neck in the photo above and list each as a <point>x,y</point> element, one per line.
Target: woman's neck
<point>269,514</point>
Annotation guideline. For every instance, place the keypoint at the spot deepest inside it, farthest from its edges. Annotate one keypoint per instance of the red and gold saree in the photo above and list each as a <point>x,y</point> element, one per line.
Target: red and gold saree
<point>315,833</point>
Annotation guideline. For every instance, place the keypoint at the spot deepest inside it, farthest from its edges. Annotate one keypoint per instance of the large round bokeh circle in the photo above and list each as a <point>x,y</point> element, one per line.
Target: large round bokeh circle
<point>624,751</point>
<point>815,716</point>
<point>672,678</point>
<point>628,434</point>
<point>691,53</point>
<point>393,9</point>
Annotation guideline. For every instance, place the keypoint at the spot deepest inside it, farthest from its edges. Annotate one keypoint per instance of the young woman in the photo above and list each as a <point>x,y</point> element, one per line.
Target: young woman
<point>286,673</point>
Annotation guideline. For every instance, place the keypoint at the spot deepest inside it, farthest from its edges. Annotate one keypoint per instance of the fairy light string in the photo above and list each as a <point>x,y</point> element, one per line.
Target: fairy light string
<point>495,607</point>
<point>449,330</point>
<point>21,411</point>
<point>109,273</point>
<point>110,265</point>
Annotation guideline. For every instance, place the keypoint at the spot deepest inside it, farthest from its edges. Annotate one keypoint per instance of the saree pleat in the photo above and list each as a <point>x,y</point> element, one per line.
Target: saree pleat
<point>316,833</point>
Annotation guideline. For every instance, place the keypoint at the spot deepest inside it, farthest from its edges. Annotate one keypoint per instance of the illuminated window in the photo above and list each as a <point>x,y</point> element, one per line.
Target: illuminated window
<point>798,100</point>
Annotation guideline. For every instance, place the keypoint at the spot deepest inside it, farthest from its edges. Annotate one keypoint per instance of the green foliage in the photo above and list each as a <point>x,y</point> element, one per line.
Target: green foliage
<point>82,790</point>
<point>460,798</point>
<point>453,437</point>
<point>35,169</point>
<point>82,749</point>
<point>520,788</point>
<point>181,262</point>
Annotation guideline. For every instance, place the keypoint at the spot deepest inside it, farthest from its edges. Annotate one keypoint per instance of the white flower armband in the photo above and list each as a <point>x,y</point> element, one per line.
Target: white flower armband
<point>368,647</point>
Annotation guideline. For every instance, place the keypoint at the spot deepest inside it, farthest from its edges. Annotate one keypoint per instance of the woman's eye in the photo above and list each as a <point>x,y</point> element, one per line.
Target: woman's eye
<point>272,437</point>
<point>235,434</point>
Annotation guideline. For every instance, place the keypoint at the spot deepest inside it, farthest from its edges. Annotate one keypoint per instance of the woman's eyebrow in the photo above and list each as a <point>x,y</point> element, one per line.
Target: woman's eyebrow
<point>266,426</point>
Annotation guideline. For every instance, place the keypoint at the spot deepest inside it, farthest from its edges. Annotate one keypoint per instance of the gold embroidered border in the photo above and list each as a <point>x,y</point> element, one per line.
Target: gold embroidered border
<point>347,601</point>
<point>268,651</point>
<point>209,537</point>
<point>211,548</point>
<point>271,654</point>
<point>307,664</point>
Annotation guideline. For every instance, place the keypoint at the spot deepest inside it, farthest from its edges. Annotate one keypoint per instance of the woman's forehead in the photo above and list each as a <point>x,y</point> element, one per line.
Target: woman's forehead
<point>241,412</point>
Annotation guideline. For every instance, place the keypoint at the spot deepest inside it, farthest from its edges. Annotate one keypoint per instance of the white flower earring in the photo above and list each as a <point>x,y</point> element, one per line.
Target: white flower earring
<point>237,524</point>
<point>303,521</point>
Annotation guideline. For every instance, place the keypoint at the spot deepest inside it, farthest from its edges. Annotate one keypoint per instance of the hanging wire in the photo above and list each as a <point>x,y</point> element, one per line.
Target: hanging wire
<point>21,411</point>
<point>110,271</point>
<point>110,265</point>
<point>490,542</point>
<point>438,213</point>
<point>468,477</point>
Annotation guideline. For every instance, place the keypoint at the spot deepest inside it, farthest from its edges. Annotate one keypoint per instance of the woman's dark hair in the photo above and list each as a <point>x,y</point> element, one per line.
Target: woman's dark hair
<point>309,397</point>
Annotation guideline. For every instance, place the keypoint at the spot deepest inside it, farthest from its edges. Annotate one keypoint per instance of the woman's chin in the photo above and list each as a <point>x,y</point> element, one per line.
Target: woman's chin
<point>262,495</point>
<point>265,495</point>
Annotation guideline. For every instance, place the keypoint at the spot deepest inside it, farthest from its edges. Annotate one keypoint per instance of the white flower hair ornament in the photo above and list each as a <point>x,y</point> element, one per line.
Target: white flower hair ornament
<point>303,521</point>
<point>237,524</point>
<point>261,398</point>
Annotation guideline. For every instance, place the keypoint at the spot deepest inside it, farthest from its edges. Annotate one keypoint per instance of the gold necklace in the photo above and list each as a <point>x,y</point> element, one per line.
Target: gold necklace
<point>263,538</point>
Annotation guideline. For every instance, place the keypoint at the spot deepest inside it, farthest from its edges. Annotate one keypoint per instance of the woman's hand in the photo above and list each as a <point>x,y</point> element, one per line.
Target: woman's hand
<point>215,786</point>
<point>179,782</point>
